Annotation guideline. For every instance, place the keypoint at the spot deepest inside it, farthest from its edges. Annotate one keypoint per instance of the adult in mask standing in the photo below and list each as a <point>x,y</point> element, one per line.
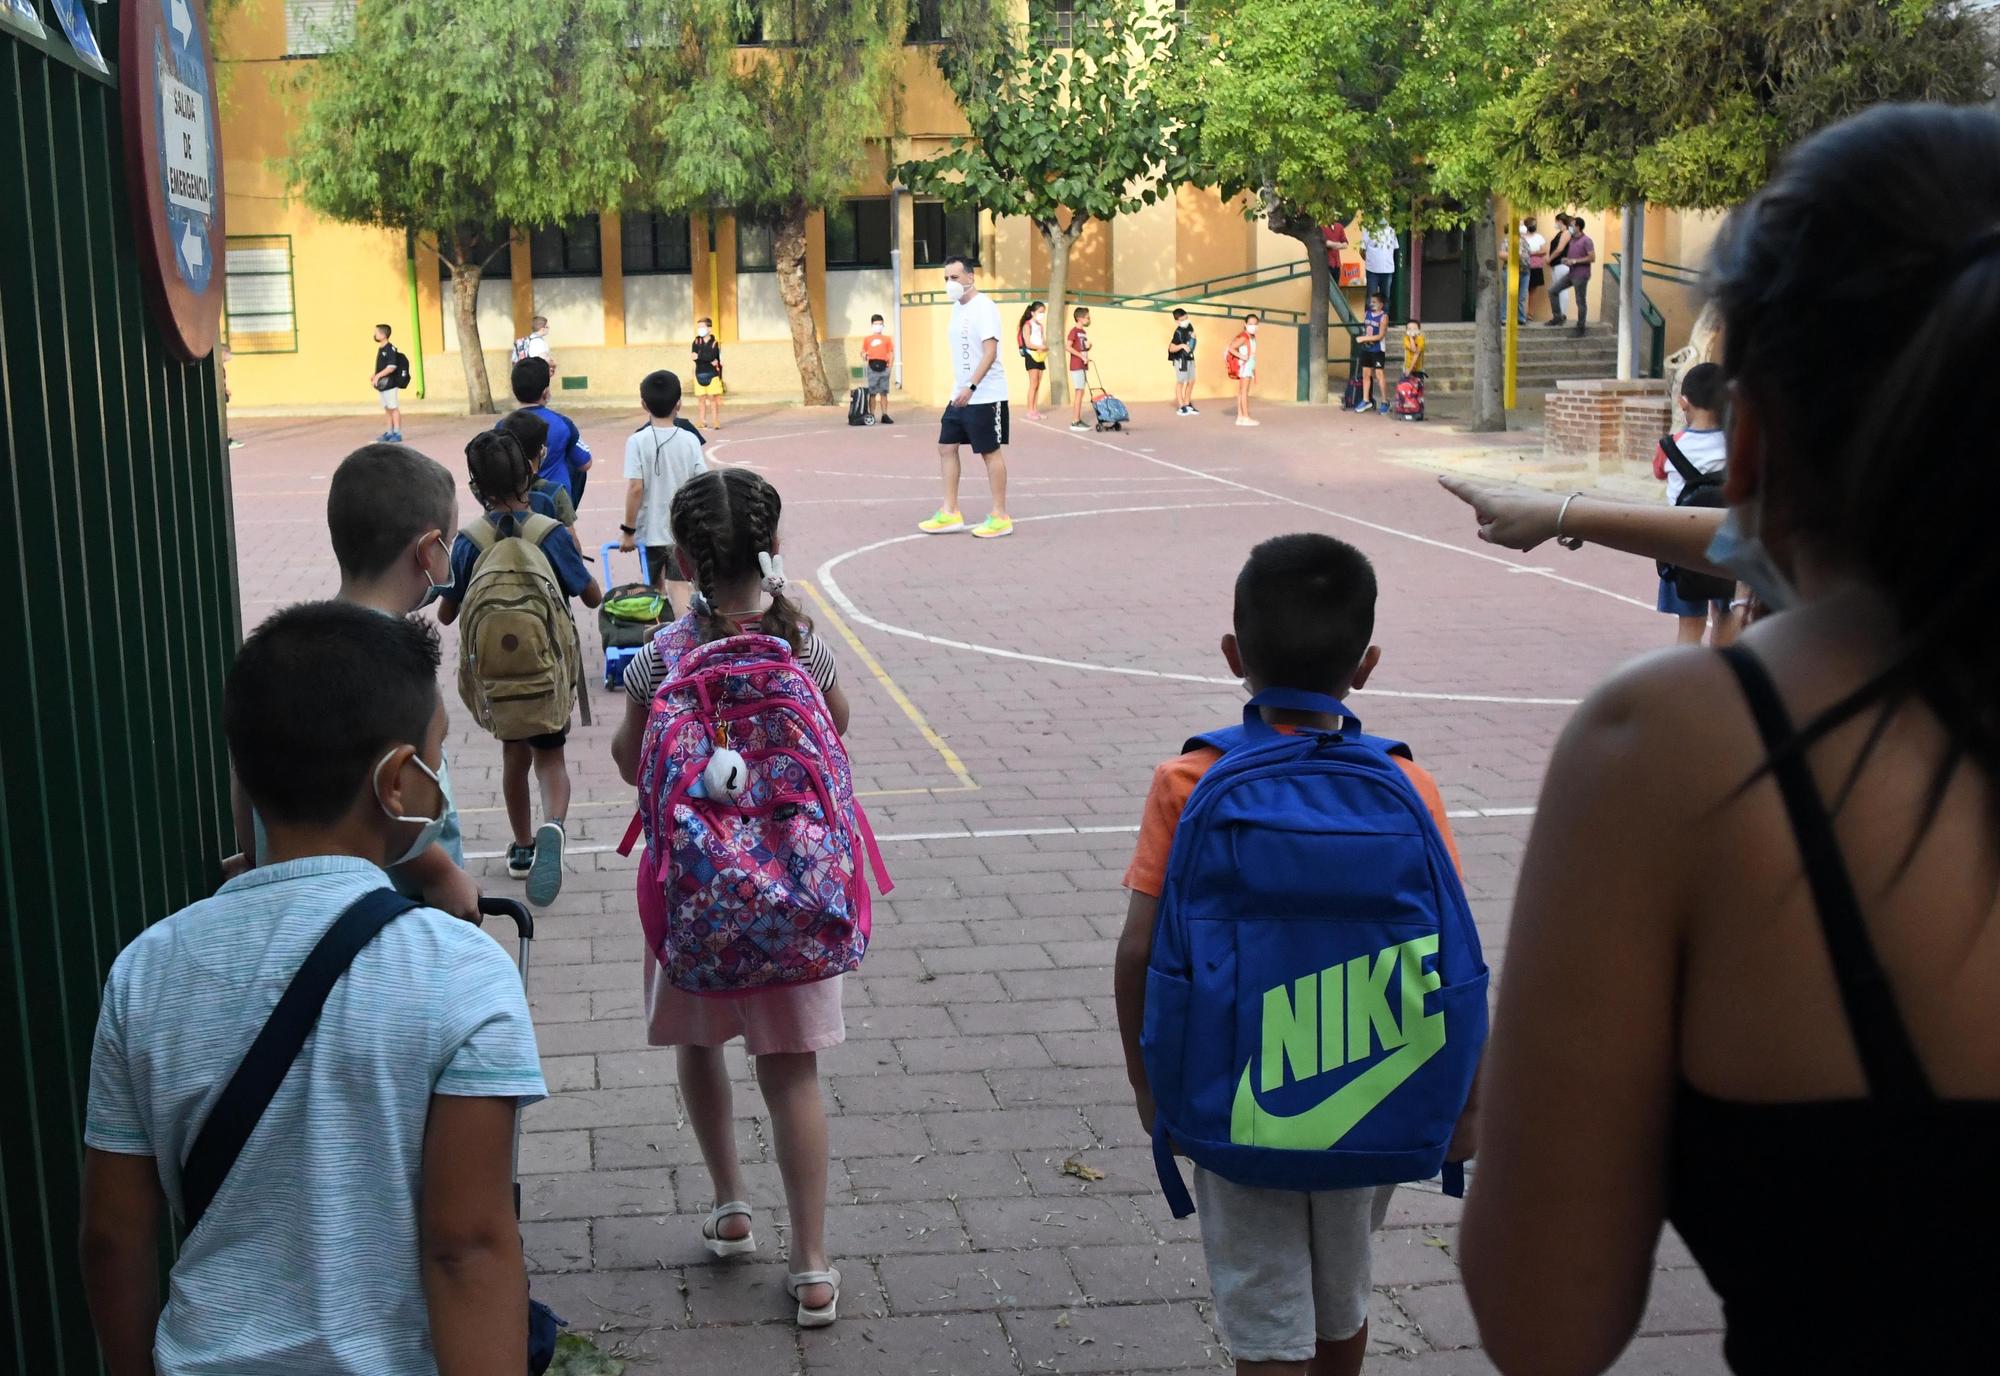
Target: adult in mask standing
<point>976,416</point>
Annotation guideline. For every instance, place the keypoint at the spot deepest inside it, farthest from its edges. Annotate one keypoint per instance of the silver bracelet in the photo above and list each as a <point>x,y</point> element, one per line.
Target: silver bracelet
<point>1567,541</point>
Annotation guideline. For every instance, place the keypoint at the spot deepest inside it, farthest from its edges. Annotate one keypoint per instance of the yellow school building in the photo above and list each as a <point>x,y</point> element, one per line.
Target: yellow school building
<point>622,290</point>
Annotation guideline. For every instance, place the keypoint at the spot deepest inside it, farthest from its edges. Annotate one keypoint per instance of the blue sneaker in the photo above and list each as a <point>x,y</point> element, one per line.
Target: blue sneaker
<point>1364,407</point>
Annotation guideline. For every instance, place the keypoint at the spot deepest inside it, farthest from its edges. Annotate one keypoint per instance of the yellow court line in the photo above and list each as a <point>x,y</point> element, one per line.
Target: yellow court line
<point>896,694</point>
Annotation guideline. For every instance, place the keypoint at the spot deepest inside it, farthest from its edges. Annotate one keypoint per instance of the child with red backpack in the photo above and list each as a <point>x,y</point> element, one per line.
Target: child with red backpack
<point>752,891</point>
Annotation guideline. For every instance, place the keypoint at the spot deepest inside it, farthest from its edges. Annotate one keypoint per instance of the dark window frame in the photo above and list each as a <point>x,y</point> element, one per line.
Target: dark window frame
<point>659,221</point>
<point>851,209</point>
<point>768,227</point>
<point>928,255</point>
<point>570,243</point>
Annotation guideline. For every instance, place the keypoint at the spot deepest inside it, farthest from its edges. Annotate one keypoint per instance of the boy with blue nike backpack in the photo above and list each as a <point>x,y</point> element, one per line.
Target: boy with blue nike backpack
<point>1300,986</point>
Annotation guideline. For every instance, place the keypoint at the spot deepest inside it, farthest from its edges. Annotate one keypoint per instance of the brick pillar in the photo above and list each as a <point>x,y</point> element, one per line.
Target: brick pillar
<point>1586,423</point>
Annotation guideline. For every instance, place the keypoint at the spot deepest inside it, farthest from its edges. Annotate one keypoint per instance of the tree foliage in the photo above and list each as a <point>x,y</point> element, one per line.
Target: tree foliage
<point>1690,103</point>
<point>454,120</point>
<point>773,133</point>
<point>1065,135</point>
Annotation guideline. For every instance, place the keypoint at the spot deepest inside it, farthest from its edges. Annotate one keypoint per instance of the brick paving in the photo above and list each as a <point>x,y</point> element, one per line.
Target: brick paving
<point>982,1048</point>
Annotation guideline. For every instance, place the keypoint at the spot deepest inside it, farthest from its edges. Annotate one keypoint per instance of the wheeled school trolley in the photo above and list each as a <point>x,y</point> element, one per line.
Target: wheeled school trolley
<point>629,615</point>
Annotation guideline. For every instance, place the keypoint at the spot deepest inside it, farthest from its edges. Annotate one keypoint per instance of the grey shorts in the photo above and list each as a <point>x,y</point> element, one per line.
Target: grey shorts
<point>389,398</point>
<point>876,383</point>
<point>1079,379</point>
<point>1183,370</point>
<point>1288,1270</point>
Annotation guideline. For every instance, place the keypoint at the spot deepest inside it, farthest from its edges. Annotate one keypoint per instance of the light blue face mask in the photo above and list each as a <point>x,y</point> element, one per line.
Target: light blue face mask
<point>1739,547</point>
<point>431,827</point>
<point>436,590</point>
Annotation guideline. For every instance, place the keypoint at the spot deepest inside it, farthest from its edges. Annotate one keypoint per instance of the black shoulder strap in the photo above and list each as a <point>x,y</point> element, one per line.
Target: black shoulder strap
<point>1690,475</point>
<point>269,1059</point>
<point>1880,1039</point>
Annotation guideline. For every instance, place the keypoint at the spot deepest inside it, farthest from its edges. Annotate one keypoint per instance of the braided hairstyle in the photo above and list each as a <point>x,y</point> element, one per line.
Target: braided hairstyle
<point>724,518</point>
<point>499,470</point>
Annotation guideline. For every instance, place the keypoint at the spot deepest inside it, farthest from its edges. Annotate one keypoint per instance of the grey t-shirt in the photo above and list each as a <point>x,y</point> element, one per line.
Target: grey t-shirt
<point>663,456</point>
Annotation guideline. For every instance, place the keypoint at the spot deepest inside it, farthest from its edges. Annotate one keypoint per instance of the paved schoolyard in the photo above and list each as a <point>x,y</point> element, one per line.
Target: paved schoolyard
<point>1010,700</point>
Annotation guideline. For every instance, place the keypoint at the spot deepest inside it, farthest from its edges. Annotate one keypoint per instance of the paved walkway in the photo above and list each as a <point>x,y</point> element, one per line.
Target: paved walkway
<point>1010,700</point>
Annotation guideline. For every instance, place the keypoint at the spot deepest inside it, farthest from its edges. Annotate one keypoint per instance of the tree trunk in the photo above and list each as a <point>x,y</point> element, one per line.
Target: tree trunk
<point>1282,220</point>
<point>465,302</point>
<point>1059,240</point>
<point>1489,323</point>
<point>789,249</point>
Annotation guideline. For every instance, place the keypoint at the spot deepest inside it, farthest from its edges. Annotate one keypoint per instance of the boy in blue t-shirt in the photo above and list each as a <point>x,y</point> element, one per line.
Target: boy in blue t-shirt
<point>566,460</point>
<point>367,1225</point>
<point>502,479</point>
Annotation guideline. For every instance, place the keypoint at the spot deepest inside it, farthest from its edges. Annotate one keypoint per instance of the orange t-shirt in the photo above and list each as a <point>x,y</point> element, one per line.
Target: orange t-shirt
<point>879,348</point>
<point>1173,783</point>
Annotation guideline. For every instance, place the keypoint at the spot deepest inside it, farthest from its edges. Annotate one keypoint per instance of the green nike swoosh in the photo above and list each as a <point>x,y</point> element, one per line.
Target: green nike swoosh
<point>1332,1118</point>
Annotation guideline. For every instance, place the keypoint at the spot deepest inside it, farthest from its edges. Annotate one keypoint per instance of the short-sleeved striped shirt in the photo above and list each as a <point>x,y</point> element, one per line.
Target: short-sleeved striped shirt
<point>648,668</point>
<point>307,1260</point>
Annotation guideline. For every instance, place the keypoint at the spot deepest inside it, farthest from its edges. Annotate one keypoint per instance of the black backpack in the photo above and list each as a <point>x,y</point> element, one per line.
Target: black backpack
<point>401,377</point>
<point>857,407</point>
<point>1697,489</point>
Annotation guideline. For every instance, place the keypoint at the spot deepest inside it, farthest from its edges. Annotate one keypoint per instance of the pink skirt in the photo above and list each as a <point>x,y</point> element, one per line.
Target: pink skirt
<point>804,1017</point>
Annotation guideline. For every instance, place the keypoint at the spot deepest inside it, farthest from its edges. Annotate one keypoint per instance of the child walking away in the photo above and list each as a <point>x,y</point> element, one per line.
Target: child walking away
<point>878,351</point>
<point>1180,353</point>
<point>391,375</point>
<point>1692,462</point>
<point>1304,1010</point>
<point>565,457</point>
<point>753,893</point>
<point>1031,337</point>
<point>513,572</point>
<point>531,432</point>
<point>1079,366</point>
<point>1243,367</point>
<point>707,357</point>
<point>399,1117</point>
<point>659,458</point>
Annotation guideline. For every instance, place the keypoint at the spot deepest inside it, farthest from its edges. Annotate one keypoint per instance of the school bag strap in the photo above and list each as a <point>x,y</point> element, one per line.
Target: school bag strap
<point>534,528</point>
<point>264,1066</point>
<point>1690,475</point>
<point>1255,730</point>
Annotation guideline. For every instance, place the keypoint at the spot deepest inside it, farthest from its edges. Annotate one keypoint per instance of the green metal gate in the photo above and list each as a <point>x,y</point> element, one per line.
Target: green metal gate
<point>117,624</point>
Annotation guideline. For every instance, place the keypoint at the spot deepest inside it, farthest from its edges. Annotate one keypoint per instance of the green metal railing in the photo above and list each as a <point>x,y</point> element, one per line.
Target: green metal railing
<point>1145,301</point>
<point>119,620</point>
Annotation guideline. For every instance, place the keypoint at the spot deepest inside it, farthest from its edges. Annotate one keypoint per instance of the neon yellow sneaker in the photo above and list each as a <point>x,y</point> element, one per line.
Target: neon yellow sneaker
<point>942,523</point>
<point>993,527</point>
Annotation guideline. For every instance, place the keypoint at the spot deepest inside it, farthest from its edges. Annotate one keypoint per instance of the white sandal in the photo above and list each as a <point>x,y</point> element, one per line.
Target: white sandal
<point>711,1231</point>
<point>796,1281</point>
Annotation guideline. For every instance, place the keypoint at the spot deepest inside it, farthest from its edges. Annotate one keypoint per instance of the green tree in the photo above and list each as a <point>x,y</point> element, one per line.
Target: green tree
<point>1289,97</point>
<point>455,120</point>
<point>1066,132</point>
<point>773,135</point>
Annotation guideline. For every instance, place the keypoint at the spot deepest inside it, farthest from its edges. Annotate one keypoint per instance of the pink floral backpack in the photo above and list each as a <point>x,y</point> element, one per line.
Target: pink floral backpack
<point>753,875</point>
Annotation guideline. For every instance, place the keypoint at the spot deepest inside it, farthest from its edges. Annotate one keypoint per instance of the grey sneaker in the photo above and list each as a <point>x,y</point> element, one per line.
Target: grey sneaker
<point>545,876</point>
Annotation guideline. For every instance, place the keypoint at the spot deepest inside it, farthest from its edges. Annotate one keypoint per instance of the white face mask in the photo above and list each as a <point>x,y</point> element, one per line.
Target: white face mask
<point>1041,316</point>
<point>430,827</point>
<point>1251,328</point>
<point>701,332</point>
<point>875,328</point>
<point>433,590</point>
<point>955,289</point>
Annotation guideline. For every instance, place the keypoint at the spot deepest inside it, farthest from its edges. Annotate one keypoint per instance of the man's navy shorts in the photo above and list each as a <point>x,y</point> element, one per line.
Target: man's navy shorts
<point>980,425</point>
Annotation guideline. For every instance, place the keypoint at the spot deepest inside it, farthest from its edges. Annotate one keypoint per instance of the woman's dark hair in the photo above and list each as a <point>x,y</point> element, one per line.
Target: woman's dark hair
<point>1897,481</point>
<point>724,518</point>
<point>498,468</point>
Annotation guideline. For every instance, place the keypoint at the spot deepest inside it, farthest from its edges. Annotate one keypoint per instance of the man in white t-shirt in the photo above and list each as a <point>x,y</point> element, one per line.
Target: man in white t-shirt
<point>977,414</point>
<point>1378,256</point>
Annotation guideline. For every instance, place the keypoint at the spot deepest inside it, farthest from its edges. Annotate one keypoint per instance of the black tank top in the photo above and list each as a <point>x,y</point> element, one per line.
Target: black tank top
<point>1843,1236</point>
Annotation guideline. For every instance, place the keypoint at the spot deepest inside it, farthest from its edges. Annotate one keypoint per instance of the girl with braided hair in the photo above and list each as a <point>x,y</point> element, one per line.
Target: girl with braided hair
<point>725,527</point>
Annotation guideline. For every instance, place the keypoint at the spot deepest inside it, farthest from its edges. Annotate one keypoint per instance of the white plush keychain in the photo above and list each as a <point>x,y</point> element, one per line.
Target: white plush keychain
<point>725,775</point>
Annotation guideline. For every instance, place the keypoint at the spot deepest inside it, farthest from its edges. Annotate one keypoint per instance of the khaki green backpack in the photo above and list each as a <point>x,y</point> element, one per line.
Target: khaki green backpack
<point>519,659</point>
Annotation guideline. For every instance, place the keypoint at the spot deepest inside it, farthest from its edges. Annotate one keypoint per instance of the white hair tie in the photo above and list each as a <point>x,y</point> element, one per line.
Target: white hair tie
<point>773,566</point>
<point>698,603</point>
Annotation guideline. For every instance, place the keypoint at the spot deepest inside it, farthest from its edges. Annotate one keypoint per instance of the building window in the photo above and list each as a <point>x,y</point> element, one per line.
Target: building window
<point>257,295</point>
<point>565,250</point>
<point>655,242</point>
<point>755,246</point>
<point>857,234</point>
<point>317,26</point>
<point>926,22</point>
<point>1051,22</point>
<point>942,233</point>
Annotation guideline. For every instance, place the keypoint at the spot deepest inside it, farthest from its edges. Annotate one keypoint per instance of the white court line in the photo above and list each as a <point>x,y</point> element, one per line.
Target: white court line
<point>1014,833</point>
<point>832,587</point>
<point>1356,520</point>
